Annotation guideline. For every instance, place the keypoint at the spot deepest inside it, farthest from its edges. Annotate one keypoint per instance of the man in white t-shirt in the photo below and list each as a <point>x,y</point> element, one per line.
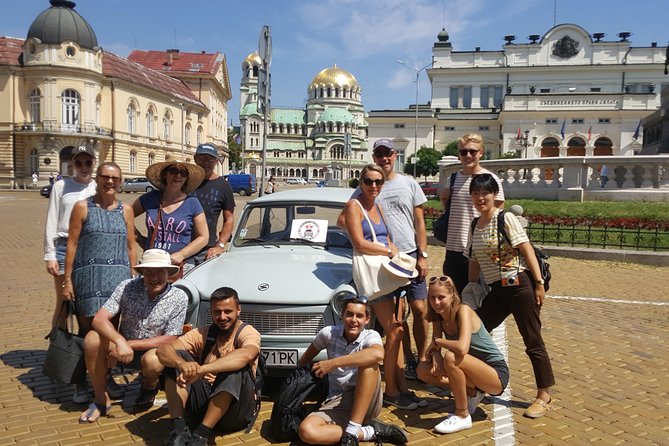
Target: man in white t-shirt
<point>456,264</point>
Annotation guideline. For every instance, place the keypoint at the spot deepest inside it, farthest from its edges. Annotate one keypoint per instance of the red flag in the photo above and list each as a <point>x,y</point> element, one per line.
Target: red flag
<point>518,135</point>
<point>589,133</point>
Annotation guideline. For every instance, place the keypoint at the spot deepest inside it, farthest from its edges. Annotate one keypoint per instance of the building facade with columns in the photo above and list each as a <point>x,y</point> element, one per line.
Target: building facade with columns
<point>63,90</point>
<point>310,141</point>
<point>566,93</point>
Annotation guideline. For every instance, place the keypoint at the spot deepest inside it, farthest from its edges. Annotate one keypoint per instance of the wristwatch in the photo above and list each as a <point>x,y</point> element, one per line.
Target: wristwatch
<point>423,254</point>
<point>221,245</point>
<point>540,281</point>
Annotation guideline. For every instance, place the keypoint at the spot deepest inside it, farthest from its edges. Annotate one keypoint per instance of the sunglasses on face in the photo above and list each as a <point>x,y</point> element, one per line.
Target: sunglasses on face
<point>440,279</point>
<point>383,153</point>
<point>173,170</point>
<point>106,178</point>
<point>465,152</point>
<point>369,182</point>
<point>87,163</point>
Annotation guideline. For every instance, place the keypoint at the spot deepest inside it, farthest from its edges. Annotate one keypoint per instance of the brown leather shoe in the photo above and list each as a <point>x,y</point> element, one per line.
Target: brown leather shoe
<point>538,408</point>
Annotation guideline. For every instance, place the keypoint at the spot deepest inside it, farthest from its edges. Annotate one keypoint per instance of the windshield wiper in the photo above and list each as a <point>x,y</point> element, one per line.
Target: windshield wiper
<point>304,242</point>
<point>260,241</point>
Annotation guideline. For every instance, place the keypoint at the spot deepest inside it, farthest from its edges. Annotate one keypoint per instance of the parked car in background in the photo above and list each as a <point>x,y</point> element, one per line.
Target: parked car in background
<point>321,183</point>
<point>139,184</point>
<point>300,181</point>
<point>242,183</point>
<point>290,264</point>
<point>429,188</point>
<point>45,191</point>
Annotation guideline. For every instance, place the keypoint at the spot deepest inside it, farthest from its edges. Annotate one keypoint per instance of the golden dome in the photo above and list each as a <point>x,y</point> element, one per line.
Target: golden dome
<point>335,76</point>
<point>253,59</point>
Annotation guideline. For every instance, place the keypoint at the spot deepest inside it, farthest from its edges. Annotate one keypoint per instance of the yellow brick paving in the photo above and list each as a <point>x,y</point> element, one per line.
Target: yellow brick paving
<point>611,360</point>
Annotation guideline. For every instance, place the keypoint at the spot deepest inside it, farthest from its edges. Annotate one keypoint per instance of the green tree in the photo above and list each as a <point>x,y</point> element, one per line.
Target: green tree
<point>451,149</point>
<point>427,163</point>
<point>234,149</point>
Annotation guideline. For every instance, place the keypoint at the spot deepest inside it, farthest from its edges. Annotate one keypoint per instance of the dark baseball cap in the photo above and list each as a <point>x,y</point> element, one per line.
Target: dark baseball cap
<point>207,149</point>
<point>88,150</point>
<point>383,146</point>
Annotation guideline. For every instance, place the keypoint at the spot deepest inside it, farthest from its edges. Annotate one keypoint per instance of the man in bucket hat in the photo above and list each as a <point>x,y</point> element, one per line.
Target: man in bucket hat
<point>152,313</point>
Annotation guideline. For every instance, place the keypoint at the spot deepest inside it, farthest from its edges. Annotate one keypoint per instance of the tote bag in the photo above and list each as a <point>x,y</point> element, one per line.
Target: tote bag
<point>65,357</point>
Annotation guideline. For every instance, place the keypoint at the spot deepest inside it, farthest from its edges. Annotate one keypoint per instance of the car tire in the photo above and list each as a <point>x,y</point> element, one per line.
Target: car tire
<point>243,192</point>
<point>149,189</point>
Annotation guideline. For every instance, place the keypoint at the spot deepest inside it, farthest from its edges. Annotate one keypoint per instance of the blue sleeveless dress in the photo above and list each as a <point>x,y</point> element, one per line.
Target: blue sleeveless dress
<point>101,261</point>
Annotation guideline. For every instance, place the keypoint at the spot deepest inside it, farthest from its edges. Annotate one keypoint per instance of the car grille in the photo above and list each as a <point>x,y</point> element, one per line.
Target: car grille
<point>298,324</point>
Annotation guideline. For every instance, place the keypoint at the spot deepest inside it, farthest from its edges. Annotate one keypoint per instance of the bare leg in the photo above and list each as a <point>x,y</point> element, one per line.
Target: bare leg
<point>58,318</point>
<point>151,369</point>
<point>420,326</point>
<point>385,314</point>
<point>176,398</point>
<point>365,389</point>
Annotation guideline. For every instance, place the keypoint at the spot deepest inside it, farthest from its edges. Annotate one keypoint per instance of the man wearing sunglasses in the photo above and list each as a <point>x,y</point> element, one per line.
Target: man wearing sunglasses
<point>462,211</point>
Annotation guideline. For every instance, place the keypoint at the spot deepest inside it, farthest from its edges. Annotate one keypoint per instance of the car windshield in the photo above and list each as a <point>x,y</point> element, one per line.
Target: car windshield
<point>291,224</point>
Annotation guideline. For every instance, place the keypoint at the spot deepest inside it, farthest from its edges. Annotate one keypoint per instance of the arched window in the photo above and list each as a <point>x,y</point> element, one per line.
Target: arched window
<point>550,147</point>
<point>70,110</point>
<point>132,162</point>
<point>150,118</point>
<point>167,126</point>
<point>35,108</point>
<point>576,147</point>
<point>200,135</point>
<point>98,110</point>
<point>132,124</point>
<point>187,134</point>
<point>603,147</point>
<point>34,161</point>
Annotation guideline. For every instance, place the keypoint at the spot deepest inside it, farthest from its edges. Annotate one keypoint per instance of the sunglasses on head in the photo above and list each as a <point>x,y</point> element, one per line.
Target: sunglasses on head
<point>369,182</point>
<point>106,178</point>
<point>87,163</point>
<point>465,152</point>
<point>440,279</point>
<point>174,170</point>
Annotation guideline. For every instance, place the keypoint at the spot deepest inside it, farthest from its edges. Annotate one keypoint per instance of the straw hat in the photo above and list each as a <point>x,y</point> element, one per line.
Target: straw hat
<point>402,265</point>
<point>157,258</point>
<point>195,174</point>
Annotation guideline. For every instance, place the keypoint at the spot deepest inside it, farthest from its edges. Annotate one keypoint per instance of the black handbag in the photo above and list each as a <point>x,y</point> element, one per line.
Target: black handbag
<point>65,357</point>
<point>440,225</point>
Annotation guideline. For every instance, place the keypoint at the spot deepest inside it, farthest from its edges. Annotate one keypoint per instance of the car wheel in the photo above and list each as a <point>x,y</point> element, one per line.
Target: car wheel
<point>149,188</point>
<point>242,192</point>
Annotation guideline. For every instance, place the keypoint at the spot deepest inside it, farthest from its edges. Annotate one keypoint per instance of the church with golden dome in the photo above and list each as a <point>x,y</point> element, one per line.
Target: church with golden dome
<point>306,142</point>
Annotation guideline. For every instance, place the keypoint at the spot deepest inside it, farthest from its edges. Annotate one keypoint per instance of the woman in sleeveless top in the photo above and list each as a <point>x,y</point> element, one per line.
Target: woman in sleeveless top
<point>100,248</point>
<point>471,363</point>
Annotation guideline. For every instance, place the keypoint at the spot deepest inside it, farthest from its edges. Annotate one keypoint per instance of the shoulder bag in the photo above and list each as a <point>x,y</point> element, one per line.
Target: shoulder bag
<point>65,357</point>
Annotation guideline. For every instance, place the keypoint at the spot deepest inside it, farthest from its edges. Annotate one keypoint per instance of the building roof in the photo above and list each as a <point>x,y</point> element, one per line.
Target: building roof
<point>253,59</point>
<point>61,23</point>
<point>116,66</point>
<point>334,76</point>
<point>175,61</point>
<point>10,50</point>
<point>249,109</point>
<point>335,115</point>
<point>287,116</point>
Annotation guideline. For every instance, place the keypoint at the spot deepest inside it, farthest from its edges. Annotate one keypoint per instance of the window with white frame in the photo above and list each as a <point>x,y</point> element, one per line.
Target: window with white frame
<point>551,121</point>
<point>132,162</point>
<point>70,110</point>
<point>398,126</point>
<point>491,96</point>
<point>132,124</point>
<point>98,111</point>
<point>577,121</point>
<point>200,135</point>
<point>150,118</point>
<point>35,107</point>
<point>461,97</point>
<point>34,161</point>
<point>187,134</point>
<point>151,158</point>
<point>167,126</point>
<point>604,120</point>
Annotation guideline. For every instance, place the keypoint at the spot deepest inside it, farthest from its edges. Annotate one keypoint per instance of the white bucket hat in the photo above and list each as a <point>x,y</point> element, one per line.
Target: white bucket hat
<point>157,258</point>
<point>402,265</point>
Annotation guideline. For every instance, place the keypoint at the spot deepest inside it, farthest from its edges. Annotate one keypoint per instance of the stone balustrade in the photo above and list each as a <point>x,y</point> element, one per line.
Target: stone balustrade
<point>577,178</point>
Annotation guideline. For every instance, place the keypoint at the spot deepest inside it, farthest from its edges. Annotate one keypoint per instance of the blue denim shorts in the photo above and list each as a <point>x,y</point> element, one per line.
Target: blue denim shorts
<point>61,248</point>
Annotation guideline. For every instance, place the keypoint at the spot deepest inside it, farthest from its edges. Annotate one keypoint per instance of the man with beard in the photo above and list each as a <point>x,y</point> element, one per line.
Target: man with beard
<point>209,373</point>
<point>354,379</point>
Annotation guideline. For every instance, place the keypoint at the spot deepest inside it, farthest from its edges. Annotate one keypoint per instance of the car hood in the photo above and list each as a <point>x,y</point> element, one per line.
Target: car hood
<point>269,275</point>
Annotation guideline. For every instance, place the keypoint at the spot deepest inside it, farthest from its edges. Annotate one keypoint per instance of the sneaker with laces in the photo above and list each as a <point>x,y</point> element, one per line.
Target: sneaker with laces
<point>114,390</point>
<point>178,437</point>
<point>410,369</point>
<point>420,402</point>
<point>80,393</point>
<point>400,401</point>
<point>349,440</point>
<point>473,401</point>
<point>388,433</point>
<point>454,423</point>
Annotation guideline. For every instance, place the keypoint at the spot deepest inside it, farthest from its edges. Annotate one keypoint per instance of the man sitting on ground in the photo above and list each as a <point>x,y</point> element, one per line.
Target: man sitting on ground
<point>152,313</point>
<point>354,379</point>
<point>210,374</point>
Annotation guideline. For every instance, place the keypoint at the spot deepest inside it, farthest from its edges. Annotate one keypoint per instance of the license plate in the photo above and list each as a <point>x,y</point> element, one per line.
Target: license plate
<point>280,357</point>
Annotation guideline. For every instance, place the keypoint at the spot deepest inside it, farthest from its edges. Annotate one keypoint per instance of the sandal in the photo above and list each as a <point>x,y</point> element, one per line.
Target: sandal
<point>88,416</point>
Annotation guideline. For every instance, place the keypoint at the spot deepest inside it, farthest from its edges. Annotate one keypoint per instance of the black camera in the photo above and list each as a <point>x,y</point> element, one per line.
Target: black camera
<point>512,280</point>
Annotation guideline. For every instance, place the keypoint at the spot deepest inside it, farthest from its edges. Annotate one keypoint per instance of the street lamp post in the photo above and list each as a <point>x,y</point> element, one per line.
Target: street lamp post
<point>415,130</point>
<point>525,142</point>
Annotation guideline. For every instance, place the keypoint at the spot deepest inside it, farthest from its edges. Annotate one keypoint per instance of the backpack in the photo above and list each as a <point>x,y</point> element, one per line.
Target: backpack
<point>289,409</point>
<point>542,257</point>
<point>440,225</point>
<point>261,370</point>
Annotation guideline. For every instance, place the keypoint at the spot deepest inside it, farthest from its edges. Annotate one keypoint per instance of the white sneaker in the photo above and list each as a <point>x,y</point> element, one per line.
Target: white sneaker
<point>473,401</point>
<point>454,423</point>
<point>80,393</point>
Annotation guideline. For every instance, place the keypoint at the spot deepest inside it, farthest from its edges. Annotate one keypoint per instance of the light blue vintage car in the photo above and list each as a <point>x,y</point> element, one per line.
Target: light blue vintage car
<point>291,266</point>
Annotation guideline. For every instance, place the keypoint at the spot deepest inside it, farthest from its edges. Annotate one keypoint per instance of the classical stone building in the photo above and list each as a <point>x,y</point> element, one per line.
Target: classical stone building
<point>566,93</point>
<point>306,142</point>
<point>61,90</point>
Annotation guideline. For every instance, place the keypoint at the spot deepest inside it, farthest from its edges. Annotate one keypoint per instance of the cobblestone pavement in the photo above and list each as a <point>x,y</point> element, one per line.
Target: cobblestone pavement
<point>605,325</point>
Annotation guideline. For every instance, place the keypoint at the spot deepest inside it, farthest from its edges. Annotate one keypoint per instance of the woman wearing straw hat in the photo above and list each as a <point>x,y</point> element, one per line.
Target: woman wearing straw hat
<point>175,222</point>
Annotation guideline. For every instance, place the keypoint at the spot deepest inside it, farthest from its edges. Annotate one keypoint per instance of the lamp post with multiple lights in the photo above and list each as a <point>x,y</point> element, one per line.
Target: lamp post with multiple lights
<point>415,134</point>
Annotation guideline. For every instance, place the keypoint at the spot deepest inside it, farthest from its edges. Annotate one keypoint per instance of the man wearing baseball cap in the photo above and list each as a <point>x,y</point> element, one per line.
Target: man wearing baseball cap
<point>152,313</point>
<point>215,195</point>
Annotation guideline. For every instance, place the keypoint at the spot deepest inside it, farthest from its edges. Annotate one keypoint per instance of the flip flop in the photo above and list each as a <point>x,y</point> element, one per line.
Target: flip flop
<point>88,416</point>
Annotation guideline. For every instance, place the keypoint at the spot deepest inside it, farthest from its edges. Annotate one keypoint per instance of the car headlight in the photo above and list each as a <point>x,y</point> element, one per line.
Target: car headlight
<point>339,298</point>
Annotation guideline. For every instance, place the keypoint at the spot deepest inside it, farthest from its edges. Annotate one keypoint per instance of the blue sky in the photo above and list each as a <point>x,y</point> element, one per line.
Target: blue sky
<point>365,37</point>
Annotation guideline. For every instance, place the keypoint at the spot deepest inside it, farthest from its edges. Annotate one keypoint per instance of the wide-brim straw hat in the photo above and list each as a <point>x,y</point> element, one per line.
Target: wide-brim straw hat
<point>157,258</point>
<point>195,174</point>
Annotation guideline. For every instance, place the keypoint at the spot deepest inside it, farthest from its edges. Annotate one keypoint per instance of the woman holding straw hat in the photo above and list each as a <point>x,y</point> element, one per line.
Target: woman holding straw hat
<point>175,222</point>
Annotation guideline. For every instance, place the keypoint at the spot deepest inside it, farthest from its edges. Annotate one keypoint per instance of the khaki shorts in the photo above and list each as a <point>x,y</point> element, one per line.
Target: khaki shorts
<point>337,410</point>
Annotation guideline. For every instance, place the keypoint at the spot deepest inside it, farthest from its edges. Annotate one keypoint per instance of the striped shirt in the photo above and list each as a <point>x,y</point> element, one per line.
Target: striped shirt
<point>463,212</point>
<point>485,250</point>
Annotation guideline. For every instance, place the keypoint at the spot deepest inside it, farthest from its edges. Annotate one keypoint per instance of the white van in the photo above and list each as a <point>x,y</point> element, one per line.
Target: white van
<point>300,181</point>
